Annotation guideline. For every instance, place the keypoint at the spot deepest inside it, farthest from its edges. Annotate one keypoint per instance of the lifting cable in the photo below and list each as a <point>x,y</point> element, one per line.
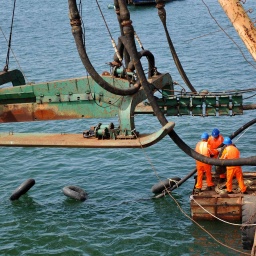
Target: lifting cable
<point>14,56</point>
<point>162,16</point>
<point>75,22</point>
<point>112,40</point>
<point>6,68</point>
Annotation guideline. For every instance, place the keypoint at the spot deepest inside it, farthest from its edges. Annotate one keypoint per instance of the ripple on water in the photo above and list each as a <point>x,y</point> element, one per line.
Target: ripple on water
<point>119,216</point>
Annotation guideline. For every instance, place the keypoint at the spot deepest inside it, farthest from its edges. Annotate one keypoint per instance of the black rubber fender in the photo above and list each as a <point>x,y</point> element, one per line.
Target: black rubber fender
<point>75,193</point>
<point>22,189</point>
<point>163,184</point>
<point>248,216</point>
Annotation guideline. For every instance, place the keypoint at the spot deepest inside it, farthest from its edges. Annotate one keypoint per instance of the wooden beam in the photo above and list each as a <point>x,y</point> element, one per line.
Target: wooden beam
<point>242,23</point>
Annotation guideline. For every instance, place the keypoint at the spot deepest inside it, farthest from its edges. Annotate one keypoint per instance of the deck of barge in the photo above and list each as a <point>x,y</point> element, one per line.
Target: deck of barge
<point>217,202</point>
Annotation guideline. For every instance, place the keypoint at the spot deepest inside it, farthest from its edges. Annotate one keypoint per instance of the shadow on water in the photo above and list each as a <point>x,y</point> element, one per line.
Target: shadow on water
<point>24,202</point>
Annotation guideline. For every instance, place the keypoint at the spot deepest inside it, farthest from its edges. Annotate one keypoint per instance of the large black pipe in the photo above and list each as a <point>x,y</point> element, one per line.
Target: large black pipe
<point>75,22</point>
<point>233,135</point>
<point>242,128</point>
<point>151,62</point>
<point>129,43</point>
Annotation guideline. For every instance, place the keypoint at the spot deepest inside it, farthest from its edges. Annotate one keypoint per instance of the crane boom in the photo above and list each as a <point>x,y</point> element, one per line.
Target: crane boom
<point>242,23</point>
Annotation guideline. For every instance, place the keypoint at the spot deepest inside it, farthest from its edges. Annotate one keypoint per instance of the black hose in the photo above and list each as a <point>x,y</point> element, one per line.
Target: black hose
<point>237,132</point>
<point>212,161</point>
<point>75,22</point>
<point>176,185</point>
<point>129,43</point>
<point>124,52</point>
<point>162,16</point>
<point>151,62</point>
<point>242,128</point>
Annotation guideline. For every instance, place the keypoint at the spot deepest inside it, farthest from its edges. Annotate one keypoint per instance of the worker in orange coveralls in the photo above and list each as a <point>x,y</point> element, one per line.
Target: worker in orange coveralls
<point>231,152</point>
<point>202,148</point>
<point>215,140</point>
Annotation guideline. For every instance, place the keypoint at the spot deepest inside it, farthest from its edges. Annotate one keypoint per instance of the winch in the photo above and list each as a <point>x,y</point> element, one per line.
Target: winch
<point>101,131</point>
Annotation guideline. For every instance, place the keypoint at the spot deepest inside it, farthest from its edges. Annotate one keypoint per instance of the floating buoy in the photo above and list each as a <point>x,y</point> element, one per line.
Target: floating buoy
<point>75,193</point>
<point>162,185</point>
<point>111,6</point>
<point>22,189</point>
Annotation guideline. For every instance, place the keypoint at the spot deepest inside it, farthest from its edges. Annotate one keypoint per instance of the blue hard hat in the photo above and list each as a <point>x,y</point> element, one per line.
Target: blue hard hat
<point>227,141</point>
<point>205,136</point>
<point>215,133</point>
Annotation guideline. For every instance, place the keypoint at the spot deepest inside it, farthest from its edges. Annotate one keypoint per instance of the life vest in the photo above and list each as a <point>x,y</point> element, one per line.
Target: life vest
<point>202,148</point>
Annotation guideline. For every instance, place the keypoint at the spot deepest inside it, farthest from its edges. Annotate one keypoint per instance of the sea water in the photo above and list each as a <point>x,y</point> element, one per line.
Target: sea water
<point>120,217</point>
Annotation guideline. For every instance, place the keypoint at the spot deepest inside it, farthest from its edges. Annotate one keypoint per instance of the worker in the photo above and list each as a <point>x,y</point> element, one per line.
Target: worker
<point>215,140</point>
<point>202,148</point>
<point>232,152</point>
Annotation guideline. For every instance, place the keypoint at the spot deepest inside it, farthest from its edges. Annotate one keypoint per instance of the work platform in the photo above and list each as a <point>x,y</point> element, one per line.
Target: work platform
<point>217,202</point>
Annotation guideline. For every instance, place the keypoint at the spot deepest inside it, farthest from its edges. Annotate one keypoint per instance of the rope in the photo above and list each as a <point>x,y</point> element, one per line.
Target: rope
<point>233,224</point>
<point>180,208</point>
<point>138,40</point>
<point>233,249</point>
<point>10,40</point>
<point>14,56</point>
<point>175,181</point>
<point>112,40</point>
<point>242,134</point>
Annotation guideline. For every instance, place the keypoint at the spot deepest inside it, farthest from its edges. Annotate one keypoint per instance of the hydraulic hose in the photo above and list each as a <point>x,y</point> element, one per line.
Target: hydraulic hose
<point>151,62</point>
<point>233,135</point>
<point>242,128</point>
<point>129,43</point>
<point>75,22</point>
<point>162,16</point>
<point>124,52</point>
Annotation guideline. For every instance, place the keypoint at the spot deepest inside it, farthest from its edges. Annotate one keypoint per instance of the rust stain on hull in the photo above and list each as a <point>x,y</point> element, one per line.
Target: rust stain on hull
<point>27,112</point>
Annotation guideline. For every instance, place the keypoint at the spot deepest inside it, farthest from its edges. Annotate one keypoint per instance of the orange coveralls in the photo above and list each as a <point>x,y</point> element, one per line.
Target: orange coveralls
<point>202,148</point>
<point>231,152</point>
<point>213,144</point>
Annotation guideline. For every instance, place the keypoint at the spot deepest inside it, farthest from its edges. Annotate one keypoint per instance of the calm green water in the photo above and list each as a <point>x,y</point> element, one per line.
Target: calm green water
<point>119,217</point>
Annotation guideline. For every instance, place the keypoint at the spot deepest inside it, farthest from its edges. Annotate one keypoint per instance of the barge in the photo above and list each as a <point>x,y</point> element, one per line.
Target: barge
<point>236,207</point>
